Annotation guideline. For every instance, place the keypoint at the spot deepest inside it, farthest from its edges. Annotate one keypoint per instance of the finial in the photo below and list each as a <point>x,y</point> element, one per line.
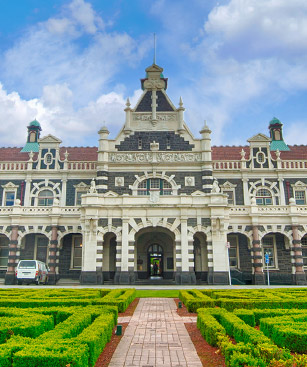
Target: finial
<point>128,104</point>
<point>154,59</point>
<point>180,102</point>
<point>66,154</point>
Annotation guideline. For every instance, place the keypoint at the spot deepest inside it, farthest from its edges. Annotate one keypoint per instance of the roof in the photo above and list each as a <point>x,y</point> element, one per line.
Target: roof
<point>35,123</point>
<point>275,121</point>
<point>279,145</point>
<point>31,147</point>
<point>298,152</point>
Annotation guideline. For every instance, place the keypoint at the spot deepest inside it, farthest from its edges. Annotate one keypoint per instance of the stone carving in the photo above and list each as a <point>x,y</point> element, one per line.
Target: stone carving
<point>119,181</point>
<point>189,181</point>
<point>160,117</point>
<point>154,197</point>
<point>154,84</point>
<point>215,187</point>
<point>159,157</point>
<point>93,187</point>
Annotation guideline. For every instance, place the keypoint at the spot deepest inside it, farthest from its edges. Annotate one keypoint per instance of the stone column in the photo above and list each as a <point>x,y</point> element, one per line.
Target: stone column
<point>12,260</point>
<point>26,201</point>
<point>245,191</point>
<point>64,187</point>
<point>282,191</point>
<point>89,252</point>
<point>123,276</point>
<point>53,246</point>
<point>210,262</point>
<point>257,258</point>
<point>299,276</point>
<point>178,258</point>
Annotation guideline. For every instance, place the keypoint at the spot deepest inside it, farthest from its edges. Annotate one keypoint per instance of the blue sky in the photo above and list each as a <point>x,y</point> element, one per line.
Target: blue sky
<point>72,64</point>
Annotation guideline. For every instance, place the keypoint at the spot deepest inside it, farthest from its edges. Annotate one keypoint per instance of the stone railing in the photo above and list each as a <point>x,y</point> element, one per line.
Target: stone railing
<point>227,165</point>
<point>39,210</point>
<point>293,164</point>
<point>82,166</point>
<point>13,166</point>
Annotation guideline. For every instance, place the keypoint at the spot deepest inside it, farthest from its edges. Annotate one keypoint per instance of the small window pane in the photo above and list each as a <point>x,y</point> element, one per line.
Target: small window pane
<point>300,197</point>
<point>9,198</point>
<point>45,198</point>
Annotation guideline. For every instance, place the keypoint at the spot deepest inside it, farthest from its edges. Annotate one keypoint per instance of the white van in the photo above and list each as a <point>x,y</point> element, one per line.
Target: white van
<point>29,271</point>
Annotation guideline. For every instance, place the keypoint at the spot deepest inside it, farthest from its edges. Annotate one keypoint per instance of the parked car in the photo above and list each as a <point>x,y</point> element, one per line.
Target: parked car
<point>29,271</point>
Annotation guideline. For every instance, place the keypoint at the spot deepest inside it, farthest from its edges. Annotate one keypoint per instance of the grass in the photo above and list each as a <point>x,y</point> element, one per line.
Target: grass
<point>164,293</point>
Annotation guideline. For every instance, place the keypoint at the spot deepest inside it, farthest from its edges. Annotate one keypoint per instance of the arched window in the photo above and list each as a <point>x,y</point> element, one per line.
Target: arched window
<point>154,184</point>
<point>45,198</point>
<point>263,197</point>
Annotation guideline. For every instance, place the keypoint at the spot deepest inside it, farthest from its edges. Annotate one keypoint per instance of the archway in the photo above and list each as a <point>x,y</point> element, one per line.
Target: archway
<point>155,245</point>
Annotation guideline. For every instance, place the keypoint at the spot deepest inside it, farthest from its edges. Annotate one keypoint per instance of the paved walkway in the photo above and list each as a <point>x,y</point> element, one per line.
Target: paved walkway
<point>156,336</point>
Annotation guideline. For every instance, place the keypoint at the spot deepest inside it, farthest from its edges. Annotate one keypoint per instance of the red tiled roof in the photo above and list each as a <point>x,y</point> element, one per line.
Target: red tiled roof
<point>228,153</point>
<point>220,153</point>
<point>80,153</point>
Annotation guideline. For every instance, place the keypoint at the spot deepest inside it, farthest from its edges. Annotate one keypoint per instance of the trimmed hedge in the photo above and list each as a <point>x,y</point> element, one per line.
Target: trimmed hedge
<point>194,299</point>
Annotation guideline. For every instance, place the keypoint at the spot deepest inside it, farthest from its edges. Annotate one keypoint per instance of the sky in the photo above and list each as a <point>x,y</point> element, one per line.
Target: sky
<point>71,64</point>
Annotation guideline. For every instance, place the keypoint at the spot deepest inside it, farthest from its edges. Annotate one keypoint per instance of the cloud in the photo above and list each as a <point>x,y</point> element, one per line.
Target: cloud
<point>73,49</point>
<point>57,115</point>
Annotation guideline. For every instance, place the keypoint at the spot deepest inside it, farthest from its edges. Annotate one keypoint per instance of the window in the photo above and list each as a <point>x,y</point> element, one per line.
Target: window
<point>268,247</point>
<point>300,197</point>
<point>45,198</point>
<point>304,250</point>
<point>263,197</point>
<point>154,184</point>
<point>78,196</point>
<point>260,157</point>
<point>168,143</point>
<point>9,198</point>
<point>48,159</point>
<point>233,252</point>
<point>76,256</point>
<point>230,196</point>
<point>41,248</point>
<point>4,251</point>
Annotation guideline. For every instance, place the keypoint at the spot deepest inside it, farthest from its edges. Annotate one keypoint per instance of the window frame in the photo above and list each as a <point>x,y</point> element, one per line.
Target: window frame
<point>263,198</point>
<point>274,256</point>
<point>72,257</point>
<point>152,184</point>
<point>296,191</point>
<point>304,248</point>
<point>45,198</point>
<point>9,188</point>
<point>2,236</point>
<point>236,247</point>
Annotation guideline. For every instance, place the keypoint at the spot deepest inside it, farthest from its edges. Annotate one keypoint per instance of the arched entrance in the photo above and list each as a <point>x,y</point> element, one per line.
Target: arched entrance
<point>200,256</point>
<point>155,260</point>
<point>34,247</point>
<point>70,262</point>
<point>109,256</point>
<point>155,245</point>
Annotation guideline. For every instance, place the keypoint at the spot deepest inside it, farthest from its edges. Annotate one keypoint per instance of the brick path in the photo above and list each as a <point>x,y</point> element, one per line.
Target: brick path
<point>156,336</point>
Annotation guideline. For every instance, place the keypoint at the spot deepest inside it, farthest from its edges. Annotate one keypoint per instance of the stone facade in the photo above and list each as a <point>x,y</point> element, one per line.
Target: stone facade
<point>156,205</point>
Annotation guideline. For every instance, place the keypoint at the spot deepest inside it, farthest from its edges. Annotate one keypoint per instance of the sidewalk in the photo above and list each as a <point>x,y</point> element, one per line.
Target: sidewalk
<point>156,336</point>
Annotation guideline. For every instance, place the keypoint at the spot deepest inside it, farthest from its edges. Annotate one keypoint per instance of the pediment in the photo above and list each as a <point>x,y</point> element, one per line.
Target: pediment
<point>82,185</point>
<point>50,139</point>
<point>110,194</point>
<point>10,185</point>
<point>259,138</point>
<point>198,193</point>
<point>299,184</point>
<point>228,185</point>
<point>154,67</point>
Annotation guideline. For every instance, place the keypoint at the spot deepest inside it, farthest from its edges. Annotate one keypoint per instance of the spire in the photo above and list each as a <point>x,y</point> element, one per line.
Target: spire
<point>154,59</point>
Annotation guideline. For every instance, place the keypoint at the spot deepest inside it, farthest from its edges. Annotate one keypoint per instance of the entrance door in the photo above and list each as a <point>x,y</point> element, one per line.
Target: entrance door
<point>155,260</point>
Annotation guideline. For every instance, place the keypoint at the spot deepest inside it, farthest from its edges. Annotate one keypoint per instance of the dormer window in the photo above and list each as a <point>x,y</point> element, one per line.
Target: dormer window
<point>260,157</point>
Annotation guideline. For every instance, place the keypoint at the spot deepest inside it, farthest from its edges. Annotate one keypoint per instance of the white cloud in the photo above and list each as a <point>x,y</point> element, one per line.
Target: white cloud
<point>253,28</point>
<point>57,116</point>
<point>53,52</point>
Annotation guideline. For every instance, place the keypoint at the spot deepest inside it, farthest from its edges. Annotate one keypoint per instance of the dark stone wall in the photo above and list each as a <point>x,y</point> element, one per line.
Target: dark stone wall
<point>239,194</point>
<point>176,142</point>
<point>146,102</point>
<point>71,191</point>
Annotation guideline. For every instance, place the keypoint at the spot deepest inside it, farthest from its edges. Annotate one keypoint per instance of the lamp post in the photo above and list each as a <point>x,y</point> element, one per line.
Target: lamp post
<point>228,247</point>
<point>267,261</point>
